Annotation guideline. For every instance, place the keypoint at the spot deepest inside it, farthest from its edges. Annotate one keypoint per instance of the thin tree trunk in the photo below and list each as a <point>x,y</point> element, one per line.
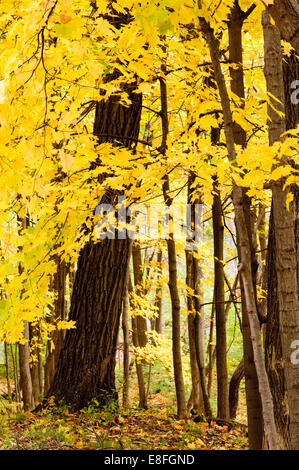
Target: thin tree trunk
<point>172,268</point>
<point>253,400</point>
<point>211,349</point>
<point>194,282</point>
<point>7,372</point>
<point>126,349</point>
<point>16,377</point>
<point>139,370</point>
<point>34,335</point>
<point>25,376</point>
<point>234,389</point>
<point>196,318</point>
<point>196,403</point>
<point>221,360</point>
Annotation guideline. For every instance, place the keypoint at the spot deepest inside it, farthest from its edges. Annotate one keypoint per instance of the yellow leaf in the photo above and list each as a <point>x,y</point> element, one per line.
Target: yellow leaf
<point>289,199</point>
<point>65,325</point>
<point>67,160</point>
<point>64,18</point>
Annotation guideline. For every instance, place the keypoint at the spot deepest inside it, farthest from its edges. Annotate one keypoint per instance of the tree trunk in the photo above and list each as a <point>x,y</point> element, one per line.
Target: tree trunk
<point>139,325</point>
<point>221,360</point>
<point>283,285</point>
<point>139,370</point>
<point>176,328</point>
<point>172,267</point>
<point>234,389</point>
<point>35,340</point>
<point>16,378</point>
<point>7,372</point>
<point>55,342</point>
<point>86,364</point>
<point>253,401</point>
<point>25,376</point>
<point>138,287</point>
<point>194,278</point>
<point>158,320</point>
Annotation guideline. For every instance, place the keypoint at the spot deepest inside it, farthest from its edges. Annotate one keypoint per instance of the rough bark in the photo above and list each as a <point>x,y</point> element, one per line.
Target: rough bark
<point>85,368</point>
<point>139,325</point>
<point>35,364</point>
<point>283,287</point>
<point>139,370</point>
<point>172,268</point>
<point>7,372</point>
<point>16,378</point>
<point>86,364</point>
<point>234,385</point>
<point>211,351</point>
<point>158,320</point>
<point>286,16</point>
<point>253,401</point>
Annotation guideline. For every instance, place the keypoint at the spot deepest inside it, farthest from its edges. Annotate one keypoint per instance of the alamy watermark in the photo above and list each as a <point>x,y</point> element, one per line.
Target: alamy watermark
<point>295,93</point>
<point>150,221</point>
<point>295,354</point>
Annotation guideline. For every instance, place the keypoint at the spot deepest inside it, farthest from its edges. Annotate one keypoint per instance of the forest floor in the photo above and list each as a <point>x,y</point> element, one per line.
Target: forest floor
<point>57,428</point>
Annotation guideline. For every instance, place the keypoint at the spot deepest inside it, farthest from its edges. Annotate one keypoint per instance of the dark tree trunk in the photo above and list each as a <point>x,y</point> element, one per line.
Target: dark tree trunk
<point>85,369</point>
<point>86,364</point>
<point>126,349</point>
<point>55,342</point>
<point>253,401</point>
<point>221,361</point>
<point>286,16</point>
<point>234,390</point>
<point>283,259</point>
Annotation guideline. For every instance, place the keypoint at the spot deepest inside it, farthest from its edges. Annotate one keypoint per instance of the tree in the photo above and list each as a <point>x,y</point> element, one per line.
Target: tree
<point>254,409</point>
<point>286,16</point>
<point>85,368</point>
<point>244,243</point>
<point>283,291</point>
